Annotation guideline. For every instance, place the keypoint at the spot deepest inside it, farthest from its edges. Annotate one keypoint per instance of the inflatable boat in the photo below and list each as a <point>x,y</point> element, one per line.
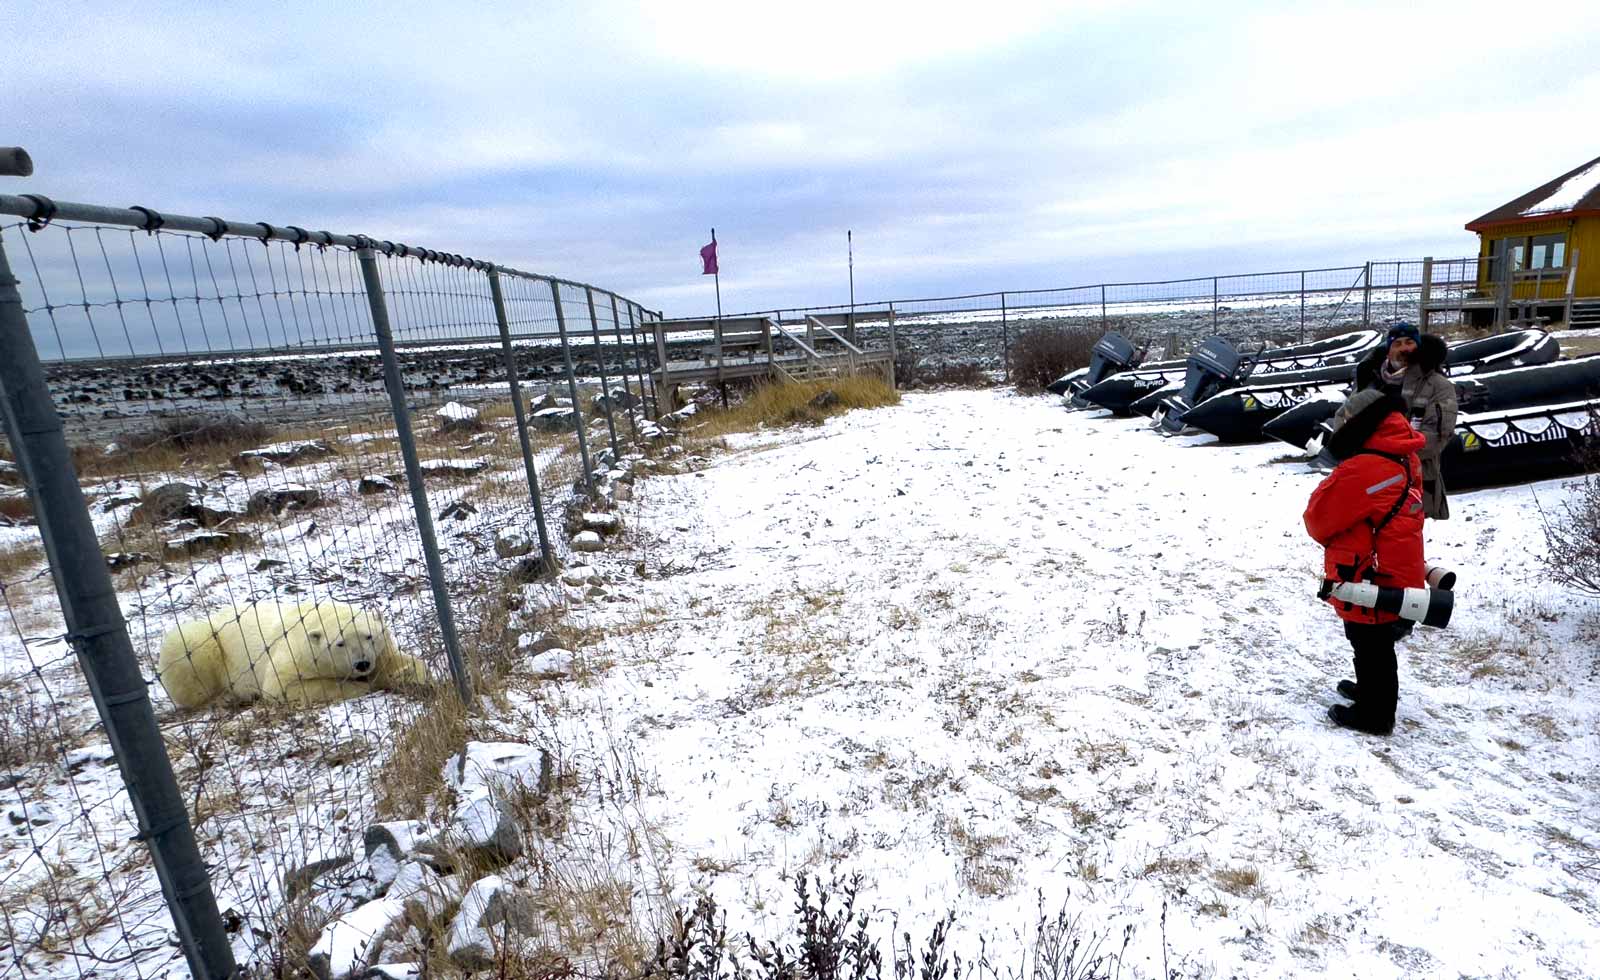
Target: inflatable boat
<point>1540,384</point>
<point>1511,445</point>
<point>1216,365</point>
<point>1111,353</point>
<point>1120,391</point>
<point>1240,414</point>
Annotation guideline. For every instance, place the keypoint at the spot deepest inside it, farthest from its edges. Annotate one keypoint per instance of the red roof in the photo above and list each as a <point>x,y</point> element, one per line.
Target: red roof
<point>1576,192</point>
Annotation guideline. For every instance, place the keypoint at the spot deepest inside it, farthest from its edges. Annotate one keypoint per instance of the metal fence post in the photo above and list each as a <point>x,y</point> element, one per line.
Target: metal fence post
<point>605,384</point>
<point>513,377</point>
<point>1366,295</point>
<point>1425,293</point>
<point>99,636</point>
<point>1102,307</point>
<point>572,387</point>
<point>894,352</point>
<point>654,405</point>
<point>1302,306</point>
<point>395,382</point>
<point>1213,303</point>
<point>616,333</point>
<point>1005,339</point>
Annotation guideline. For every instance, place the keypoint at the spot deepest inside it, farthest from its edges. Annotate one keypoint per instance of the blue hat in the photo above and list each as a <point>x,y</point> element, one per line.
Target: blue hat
<point>1403,329</point>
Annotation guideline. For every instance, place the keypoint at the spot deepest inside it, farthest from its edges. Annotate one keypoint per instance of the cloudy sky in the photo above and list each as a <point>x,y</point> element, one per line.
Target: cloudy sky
<point>970,146</point>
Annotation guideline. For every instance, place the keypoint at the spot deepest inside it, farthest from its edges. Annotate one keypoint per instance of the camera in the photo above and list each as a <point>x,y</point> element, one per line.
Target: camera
<point>1430,607</point>
<point>1440,577</point>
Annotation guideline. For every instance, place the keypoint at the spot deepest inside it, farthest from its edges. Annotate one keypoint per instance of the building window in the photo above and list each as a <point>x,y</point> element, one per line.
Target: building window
<point>1528,254</point>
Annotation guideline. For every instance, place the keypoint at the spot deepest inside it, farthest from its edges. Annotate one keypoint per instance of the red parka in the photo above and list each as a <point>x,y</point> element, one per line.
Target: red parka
<point>1346,507</point>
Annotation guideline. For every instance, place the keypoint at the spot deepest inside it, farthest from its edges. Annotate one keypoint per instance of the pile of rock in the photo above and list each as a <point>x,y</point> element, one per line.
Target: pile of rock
<point>418,880</point>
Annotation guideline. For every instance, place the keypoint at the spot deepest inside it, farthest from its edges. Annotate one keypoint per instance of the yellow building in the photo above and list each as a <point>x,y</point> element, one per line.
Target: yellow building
<point>1549,241</point>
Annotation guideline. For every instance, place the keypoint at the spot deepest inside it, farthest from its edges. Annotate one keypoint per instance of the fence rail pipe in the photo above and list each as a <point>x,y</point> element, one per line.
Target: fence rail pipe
<point>547,556</point>
<point>395,382</point>
<point>622,355</point>
<point>99,636</point>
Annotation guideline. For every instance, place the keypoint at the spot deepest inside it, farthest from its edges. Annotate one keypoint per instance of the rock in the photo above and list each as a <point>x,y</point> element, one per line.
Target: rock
<point>621,493</point>
<point>10,473</point>
<point>276,500</point>
<point>499,766</point>
<point>606,524</point>
<point>512,543</point>
<point>825,399</point>
<point>580,575</point>
<point>375,484</point>
<point>268,564</point>
<point>393,971</point>
<point>541,403</point>
<point>454,467</point>
<point>353,942</point>
<point>587,541</point>
<point>37,814</point>
<point>618,398</point>
<point>98,754</point>
<point>492,912</point>
<point>532,644</point>
<point>284,453</point>
<point>458,511</point>
<point>555,662</point>
<point>479,441</point>
<point>300,880</point>
<point>529,570</point>
<point>119,560</point>
<point>388,846</point>
<point>118,500</point>
<point>486,827</point>
<point>554,420</point>
<point>198,543</point>
<point>183,501</point>
<point>456,417</point>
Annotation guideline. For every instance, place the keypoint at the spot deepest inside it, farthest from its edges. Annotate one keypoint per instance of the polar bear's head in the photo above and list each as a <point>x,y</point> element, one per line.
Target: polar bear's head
<point>351,641</point>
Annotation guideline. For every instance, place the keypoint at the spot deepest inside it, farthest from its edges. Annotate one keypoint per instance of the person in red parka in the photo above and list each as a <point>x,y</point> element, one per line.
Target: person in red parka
<point>1367,515</point>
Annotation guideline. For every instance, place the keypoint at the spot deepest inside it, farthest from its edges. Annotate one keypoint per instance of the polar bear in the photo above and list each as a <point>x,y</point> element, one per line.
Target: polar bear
<point>302,653</point>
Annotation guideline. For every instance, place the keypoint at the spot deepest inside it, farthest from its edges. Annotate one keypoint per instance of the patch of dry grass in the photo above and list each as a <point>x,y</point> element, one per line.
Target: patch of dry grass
<point>798,403</point>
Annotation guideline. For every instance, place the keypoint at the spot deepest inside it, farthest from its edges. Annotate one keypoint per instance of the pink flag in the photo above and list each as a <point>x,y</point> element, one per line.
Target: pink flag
<point>708,258</point>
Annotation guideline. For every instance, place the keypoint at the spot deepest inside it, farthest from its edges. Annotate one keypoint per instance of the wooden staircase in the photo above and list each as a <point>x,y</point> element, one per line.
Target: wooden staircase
<point>1585,315</point>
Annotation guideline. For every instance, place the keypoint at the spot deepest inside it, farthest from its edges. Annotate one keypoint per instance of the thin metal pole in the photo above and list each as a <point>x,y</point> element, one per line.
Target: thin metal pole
<point>1425,293</point>
<point>605,383</point>
<point>1302,306</point>
<point>616,331</point>
<point>1005,339</point>
<point>1366,295</point>
<point>1102,307</point>
<point>1213,303</point>
<point>395,382</point>
<point>638,363</point>
<point>851,246</point>
<point>99,636</point>
<point>547,555</point>
<point>894,350</point>
<point>572,387</point>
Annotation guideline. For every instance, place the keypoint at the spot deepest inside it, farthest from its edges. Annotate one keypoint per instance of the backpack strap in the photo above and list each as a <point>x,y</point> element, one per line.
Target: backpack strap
<point>1405,494</point>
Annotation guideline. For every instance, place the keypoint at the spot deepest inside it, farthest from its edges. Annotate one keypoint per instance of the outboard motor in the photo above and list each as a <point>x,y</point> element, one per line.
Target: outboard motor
<point>1111,353</point>
<point>1214,363</point>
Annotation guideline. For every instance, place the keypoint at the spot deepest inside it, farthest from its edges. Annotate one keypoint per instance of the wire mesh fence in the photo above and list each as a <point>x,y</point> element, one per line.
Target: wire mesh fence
<point>312,466</point>
<point>937,335</point>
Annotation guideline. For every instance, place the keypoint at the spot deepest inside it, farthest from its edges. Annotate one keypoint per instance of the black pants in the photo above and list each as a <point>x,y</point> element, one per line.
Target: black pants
<point>1377,675</point>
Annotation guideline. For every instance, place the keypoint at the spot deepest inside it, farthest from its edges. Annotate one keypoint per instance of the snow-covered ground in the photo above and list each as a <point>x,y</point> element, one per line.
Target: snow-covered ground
<point>981,649</point>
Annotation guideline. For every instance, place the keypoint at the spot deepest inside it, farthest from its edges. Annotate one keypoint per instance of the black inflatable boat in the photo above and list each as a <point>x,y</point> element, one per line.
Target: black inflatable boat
<point>1241,414</point>
<point>1482,391</point>
<point>1511,445</point>
<point>1119,392</point>
<point>1111,353</point>
<point>1216,365</point>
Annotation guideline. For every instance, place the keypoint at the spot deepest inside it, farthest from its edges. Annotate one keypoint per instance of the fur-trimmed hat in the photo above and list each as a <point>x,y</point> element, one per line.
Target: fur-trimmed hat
<point>1432,352</point>
<point>1358,418</point>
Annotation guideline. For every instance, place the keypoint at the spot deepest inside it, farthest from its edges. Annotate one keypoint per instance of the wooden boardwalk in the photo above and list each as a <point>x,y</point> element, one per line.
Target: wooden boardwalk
<point>734,348</point>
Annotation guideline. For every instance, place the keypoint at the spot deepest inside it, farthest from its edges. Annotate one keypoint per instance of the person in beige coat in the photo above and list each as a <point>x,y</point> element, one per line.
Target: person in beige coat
<point>1412,366</point>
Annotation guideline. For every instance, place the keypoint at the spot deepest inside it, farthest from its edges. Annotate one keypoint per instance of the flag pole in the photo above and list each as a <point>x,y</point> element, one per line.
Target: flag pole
<point>716,281</point>
<point>850,248</point>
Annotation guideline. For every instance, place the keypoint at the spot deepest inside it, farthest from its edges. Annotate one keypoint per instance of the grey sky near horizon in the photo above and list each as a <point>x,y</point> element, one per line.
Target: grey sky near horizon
<point>1009,145</point>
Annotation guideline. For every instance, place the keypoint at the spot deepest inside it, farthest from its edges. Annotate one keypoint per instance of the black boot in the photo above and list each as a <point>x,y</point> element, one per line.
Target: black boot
<point>1349,691</point>
<point>1346,717</point>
